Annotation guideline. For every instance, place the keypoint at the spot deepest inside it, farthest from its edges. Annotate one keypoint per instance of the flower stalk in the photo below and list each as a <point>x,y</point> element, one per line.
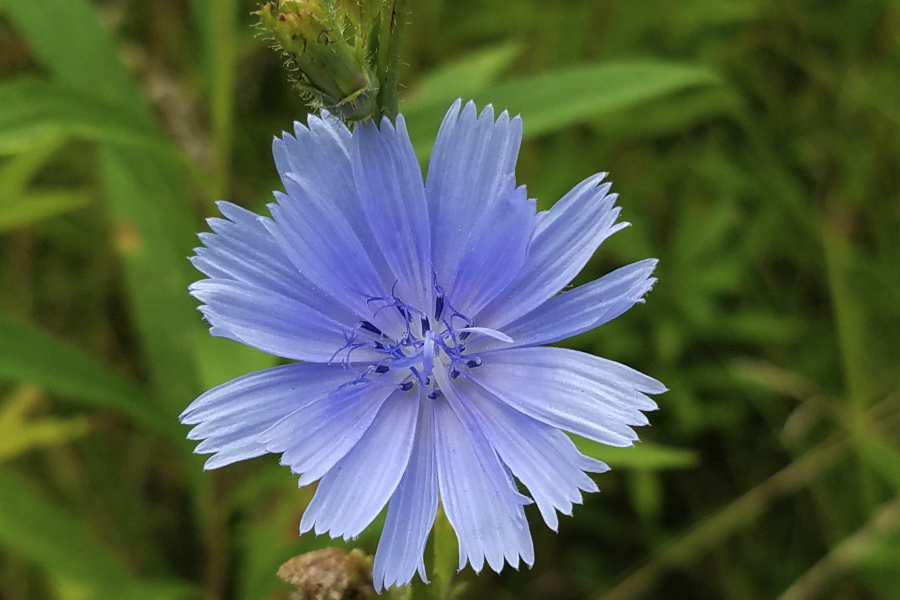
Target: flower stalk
<point>393,27</point>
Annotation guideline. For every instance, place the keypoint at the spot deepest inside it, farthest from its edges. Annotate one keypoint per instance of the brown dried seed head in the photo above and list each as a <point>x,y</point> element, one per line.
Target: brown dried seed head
<point>330,574</point>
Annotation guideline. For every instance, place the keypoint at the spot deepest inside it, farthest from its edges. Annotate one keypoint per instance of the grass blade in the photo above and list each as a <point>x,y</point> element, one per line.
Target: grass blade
<point>30,356</point>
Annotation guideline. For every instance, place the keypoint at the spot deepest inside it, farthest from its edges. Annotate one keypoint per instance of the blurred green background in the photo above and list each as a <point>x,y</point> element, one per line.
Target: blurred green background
<point>755,147</point>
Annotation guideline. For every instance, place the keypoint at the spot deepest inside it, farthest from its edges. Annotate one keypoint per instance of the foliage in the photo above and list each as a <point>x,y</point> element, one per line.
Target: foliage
<point>754,145</point>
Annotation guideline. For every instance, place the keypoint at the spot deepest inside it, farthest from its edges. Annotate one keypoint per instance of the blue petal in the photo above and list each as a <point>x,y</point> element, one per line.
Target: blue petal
<point>323,246</point>
<point>317,157</point>
<point>587,395</point>
<point>316,436</point>
<point>542,457</point>
<point>270,322</point>
<point>317,164</point>
<point>231,417</point>
<point>411,511</point>
<point>477,493</point>
<point>355,490</point>
<point>389,183</point>
<point>472,160</point>
<point>565,239</point>
<point>242,249</point>
<point>578,310</point>
<point>495,251</point>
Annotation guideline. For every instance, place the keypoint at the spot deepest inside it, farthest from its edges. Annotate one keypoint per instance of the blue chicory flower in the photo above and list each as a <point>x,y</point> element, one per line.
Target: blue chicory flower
<point>419,312</point>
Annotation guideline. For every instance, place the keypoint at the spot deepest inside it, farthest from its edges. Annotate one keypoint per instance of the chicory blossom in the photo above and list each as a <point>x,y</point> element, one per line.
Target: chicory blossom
<point>419,314</point>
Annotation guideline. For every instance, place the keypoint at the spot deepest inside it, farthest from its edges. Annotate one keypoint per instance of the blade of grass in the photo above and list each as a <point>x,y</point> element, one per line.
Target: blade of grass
<point>554,101</point>
<point>643,455</point>
<point>846,554</point>
<point>48,535</point>
<point>20,432</point>
<point>146,198</point>
<point>851,328</point>
<point>30,356</point>
<point>461,79</point>
<point>148,204</point>
<point>217,21</point>
<point>35,112</point>
<point>714,529</point>
<point>38,206</point>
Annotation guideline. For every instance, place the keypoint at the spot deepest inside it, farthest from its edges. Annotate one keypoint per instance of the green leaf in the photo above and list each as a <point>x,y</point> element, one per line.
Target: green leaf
<point>155,233</point>
<point>18,207</point>
<point>642,455</point>
<point>883,458</point>
<point>556,100</point>
<point>680,110</point>
<point>38,206</point>
<point>38,530</point>
<point>29,356</point>
<point>19,434</point>
<point>35,113</point>
<point>460,79</point>
<point>17,172</point>
<point>146,196</point>
<point>219,359</point>
<point>67,37</point>
<point>877,565</point>
<point>216,22</point>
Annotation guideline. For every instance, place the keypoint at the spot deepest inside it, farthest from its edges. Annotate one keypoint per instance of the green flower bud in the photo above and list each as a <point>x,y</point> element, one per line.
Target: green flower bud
<point>331,70</point>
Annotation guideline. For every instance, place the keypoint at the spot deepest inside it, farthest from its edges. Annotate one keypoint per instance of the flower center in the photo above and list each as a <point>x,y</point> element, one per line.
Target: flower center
<point>422,340</point>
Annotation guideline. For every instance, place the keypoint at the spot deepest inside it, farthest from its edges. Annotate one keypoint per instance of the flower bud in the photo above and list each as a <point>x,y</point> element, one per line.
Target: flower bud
<point>330,70</point>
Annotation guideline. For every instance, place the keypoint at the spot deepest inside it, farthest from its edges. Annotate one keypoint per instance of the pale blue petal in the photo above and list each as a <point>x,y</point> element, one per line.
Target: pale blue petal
<point>318,162</point>
<point>542,457</point>
<point>578,310</point>
<point>354,491</point>
<point>472,160</point>
<point>389,183</point>
<point>317,157</point>
<point>323,246</point>
<point>590,396</point>
<point>411,511</point>
<point>242,249</point>
<point>315,437</point>
<point>495,251</point>
<point>270,322</point>
<point>565,239</point>
<point>231,417</point>
<point>477,493</point>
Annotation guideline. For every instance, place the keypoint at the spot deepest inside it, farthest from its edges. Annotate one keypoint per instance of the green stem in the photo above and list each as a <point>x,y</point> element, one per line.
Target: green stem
<point>394,20</point>
<point>442,549</point>
<point>851,329</point>
<point>445,557</point>
<point>220,55</point>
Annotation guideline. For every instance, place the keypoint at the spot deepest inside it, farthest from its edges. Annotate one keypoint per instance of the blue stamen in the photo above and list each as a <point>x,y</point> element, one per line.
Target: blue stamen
<point>416,349</point>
